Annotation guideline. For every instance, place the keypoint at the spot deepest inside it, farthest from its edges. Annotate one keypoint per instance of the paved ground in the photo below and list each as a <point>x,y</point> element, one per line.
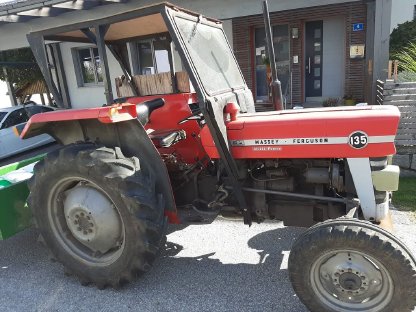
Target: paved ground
<point>225,266</point>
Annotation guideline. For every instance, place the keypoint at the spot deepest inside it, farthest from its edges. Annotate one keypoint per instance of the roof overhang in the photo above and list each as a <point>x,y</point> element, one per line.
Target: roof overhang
<point>125,26</point>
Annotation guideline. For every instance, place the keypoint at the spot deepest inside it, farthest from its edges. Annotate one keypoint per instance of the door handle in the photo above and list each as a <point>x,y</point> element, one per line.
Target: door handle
<point>309,66</point>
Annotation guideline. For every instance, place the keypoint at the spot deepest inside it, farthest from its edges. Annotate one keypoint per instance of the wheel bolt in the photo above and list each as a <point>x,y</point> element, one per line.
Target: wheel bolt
<point>349,270</point>
<point>76,222</point>
<point>91,224</point>
<point>90,230</point>
<point>79,229</point>
<point>336,274</point>
<point>82,214</point>
<point>88,218</point>
<point>85,232</point>
<point>362,277</point>
<point>77,216</point>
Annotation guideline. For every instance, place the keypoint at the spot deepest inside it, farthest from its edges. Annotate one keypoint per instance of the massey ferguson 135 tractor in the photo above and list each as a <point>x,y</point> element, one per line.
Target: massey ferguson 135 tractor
<point>103,201</point>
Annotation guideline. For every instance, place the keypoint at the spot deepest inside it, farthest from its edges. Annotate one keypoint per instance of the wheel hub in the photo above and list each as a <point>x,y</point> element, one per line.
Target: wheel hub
<point>92,218</point>
<point>349,280</point>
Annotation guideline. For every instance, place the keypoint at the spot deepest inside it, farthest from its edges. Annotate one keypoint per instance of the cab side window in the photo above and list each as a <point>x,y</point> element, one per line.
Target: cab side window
<point>33,110</point>
<point>17,117</point>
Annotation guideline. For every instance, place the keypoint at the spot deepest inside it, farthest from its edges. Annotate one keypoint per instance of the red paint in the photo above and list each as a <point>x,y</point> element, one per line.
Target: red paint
<point>176,108</point>
<point>233,109</point>
<point>310,123</point>
<point>108,114</point>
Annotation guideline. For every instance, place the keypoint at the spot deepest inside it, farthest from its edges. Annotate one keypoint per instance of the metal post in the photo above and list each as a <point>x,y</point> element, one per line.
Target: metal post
<point>100,32</point>
<point>276,86</point>
<point>37,44</point>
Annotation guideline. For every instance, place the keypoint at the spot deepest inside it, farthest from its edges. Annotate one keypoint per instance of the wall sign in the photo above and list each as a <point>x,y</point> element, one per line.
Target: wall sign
<point>358,27</point>
<point>357,51</point>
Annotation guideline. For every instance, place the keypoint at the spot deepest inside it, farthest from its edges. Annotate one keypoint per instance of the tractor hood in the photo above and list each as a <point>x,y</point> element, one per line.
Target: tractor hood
<point>340,132</point>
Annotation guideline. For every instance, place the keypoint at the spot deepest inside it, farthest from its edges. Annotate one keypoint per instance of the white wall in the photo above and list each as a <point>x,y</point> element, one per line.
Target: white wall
<point>4,98</point>
<point>333,65</point>
<point>401,11</point>
<point>88,96</point>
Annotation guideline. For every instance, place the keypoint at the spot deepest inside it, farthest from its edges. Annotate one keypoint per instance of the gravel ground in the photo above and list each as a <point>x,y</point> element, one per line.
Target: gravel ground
<point>224,266</point>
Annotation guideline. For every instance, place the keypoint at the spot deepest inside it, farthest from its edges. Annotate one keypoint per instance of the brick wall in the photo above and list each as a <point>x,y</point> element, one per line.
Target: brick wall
<point>243,39</point>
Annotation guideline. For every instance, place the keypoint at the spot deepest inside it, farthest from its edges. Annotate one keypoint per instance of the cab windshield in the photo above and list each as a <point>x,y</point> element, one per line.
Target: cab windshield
<point>210,52</point>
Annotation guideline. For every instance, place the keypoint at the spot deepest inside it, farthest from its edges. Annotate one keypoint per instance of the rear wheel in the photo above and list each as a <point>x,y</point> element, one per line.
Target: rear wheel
<point>352,265</point>
<point>98,213</point>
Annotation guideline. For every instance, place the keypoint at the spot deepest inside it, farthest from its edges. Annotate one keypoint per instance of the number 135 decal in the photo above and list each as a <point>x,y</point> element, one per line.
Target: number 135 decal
<point>358,139</point>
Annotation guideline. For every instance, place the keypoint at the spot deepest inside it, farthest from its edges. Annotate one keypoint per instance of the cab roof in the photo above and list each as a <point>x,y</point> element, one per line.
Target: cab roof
<point>140,22</point>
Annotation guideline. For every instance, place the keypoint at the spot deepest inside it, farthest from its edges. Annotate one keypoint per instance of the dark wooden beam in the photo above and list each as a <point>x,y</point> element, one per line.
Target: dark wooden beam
<point>60,73</point>
<point>78,4</point>
<point>14,18</point>
<point>44,12</point>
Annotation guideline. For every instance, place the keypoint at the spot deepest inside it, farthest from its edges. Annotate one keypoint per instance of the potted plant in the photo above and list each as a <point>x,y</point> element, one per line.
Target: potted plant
<point>349,100</point>
<point>330,102</point>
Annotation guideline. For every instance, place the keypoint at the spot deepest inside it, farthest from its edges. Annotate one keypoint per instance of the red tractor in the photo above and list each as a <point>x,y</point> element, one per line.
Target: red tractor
<point>103,201</point>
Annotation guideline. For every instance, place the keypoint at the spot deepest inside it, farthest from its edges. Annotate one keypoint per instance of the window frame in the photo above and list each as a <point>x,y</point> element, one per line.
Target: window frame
<point>79,67</point>
<point>135,49</point>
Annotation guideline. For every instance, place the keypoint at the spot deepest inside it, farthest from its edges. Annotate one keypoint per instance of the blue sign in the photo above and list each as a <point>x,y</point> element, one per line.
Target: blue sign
<point>358,27</point>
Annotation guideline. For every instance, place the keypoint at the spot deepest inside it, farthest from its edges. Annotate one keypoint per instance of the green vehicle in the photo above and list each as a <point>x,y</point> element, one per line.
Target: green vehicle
<point>15,215</point>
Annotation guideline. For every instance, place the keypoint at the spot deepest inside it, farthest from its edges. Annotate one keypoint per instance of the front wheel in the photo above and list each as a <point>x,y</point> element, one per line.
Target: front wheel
<point>352,265</point>
<point>98,213</point>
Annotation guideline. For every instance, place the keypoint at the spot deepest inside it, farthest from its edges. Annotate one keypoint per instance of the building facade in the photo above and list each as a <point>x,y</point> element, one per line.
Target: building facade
<point>325,49</point>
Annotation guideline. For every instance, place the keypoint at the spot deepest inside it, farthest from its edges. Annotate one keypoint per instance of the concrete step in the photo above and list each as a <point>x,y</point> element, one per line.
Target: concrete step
<point>395,97</point>
<point>399,102</point>
<point>389,86</point>
<point>400,91</point>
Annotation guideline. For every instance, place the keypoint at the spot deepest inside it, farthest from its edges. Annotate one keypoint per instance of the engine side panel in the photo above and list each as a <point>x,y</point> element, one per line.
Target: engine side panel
<point>312,133</point>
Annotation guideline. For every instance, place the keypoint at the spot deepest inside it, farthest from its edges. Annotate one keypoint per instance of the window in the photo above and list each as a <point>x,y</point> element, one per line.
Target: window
<point>414,13</point>
<point>153,56</point>
<point>15,118</point>
<point>33,110</point>
<point>281,44</point>
<point>87,66</point>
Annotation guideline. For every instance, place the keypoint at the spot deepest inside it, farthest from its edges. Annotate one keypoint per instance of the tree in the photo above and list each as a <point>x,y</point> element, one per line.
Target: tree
<point>21,68</point>
<point>402,36</point>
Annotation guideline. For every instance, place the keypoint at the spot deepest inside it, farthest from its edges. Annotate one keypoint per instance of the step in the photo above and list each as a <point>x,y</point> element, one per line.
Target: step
<point>399,102</point>
<point>389,86</point>
<point>400,91</point>
<point>395,97</point>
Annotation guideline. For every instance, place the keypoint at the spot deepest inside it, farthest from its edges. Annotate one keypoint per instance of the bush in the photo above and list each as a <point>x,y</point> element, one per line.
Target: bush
<point>407,58</point>
<point>406,76</point>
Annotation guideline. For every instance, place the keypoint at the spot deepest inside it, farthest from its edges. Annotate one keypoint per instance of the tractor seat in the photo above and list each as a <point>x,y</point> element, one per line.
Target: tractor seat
<point>145,109</point>
<point>167,138</point>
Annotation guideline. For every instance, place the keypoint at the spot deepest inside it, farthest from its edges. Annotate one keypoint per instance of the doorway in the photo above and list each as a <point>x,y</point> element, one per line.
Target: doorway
<point>313,58</point>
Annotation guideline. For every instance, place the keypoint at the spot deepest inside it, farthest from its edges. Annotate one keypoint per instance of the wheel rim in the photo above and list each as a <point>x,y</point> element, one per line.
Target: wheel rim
<point>350,280</point>
<point>85,221</point>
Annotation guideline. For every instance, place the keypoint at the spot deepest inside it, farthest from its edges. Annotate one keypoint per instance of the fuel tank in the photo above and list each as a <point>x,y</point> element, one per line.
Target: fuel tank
<point>338,132</point>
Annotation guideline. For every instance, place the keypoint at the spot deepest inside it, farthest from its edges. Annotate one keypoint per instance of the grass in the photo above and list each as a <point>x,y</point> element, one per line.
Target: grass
<point>405,197</point>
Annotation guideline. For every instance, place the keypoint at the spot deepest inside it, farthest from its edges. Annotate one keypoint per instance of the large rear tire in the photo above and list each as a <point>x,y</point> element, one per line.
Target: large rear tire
<point>98,213</point>
<point>352,265</point>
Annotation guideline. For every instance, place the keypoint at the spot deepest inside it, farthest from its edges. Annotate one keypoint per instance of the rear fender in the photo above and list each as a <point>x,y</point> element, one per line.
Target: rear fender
<point>128,134</point>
